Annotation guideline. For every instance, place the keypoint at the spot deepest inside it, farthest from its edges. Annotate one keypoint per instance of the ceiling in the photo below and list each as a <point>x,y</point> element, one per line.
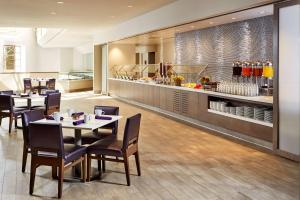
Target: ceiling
<point>77,15</point>
<point>157,37</point>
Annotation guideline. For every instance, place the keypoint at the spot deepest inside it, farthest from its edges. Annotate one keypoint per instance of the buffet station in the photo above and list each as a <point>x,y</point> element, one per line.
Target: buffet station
<point>241,107</point>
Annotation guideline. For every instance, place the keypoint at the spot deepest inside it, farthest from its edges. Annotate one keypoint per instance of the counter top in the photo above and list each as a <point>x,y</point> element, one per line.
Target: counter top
<point>258,99</point>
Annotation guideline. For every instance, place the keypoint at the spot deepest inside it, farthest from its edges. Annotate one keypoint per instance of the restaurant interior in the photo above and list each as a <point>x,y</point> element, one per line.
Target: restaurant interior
<point>167,99</point>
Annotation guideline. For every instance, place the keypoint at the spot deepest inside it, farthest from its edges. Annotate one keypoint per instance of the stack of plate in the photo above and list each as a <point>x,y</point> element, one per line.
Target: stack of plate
<point>259,113</point>
<point>248,112</point>
<point>268,116</point>
<point>240,111</point>
<point>232,110</point>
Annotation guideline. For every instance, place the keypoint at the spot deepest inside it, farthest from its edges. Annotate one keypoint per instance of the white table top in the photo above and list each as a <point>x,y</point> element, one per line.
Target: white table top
<point>34,96</point>
<point>91,125</point>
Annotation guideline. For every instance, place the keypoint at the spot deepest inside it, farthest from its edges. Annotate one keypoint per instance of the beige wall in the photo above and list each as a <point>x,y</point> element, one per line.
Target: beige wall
<point>121,54</point>
<point>169,50</point>
<point>97,69</point>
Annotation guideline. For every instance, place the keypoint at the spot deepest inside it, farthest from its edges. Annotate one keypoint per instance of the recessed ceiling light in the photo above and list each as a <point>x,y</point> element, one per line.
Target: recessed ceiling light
<point>211,22</point>
<point>129,6</point>
<point>233,18</point>
<point>53,13</point>
<point>60,2</point>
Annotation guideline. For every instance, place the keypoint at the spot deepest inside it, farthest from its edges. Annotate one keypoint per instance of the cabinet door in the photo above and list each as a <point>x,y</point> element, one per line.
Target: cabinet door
<point>176,101</point>
<point>156,97</point>
<point>189,102</point>
<point>162,98</point>
<point>150,95</point>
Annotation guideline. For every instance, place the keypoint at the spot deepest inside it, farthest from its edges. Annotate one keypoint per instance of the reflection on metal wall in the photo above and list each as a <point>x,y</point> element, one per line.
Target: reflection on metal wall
<point>219,46</point>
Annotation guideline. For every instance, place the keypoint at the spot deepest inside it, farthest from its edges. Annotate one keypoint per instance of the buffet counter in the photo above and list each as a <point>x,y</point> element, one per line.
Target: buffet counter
<point>194,106</point>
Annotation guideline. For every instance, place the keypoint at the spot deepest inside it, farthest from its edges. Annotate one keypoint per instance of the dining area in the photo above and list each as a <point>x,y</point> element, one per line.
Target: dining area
<point>92,137</point>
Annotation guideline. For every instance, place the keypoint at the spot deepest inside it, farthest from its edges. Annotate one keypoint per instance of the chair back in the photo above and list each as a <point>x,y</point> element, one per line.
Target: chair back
<point>46,139</point>
<point>27,117</point>
<point>110,110</point>
<point>53,103</point>
<point>6,102</point>
<point>27,84</point>
<point>50,84</point>
<point>132,129</point>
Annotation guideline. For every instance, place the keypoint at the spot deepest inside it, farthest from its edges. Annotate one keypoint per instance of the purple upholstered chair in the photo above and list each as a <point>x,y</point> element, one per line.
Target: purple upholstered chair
<point>113,147</point>
<point>48,148</point>
<point>31,116</point>
<point>105,131</point>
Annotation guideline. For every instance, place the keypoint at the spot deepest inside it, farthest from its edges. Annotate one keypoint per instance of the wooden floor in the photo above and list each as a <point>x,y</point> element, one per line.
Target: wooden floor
<point>178,162</point>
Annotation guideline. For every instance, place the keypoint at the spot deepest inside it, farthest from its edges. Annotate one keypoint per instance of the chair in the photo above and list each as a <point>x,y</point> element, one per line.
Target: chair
<point>105,131</point>
<point>50,84</point>
<point>111,146</point>
<point>7,109</point>
<point>31,116</point>
<point>52,104</point>
<point>47,148</point>
<point>27,85</point>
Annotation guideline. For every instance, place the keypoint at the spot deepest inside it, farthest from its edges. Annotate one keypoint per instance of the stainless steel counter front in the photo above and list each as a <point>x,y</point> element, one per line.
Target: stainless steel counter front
<point>193,106</point>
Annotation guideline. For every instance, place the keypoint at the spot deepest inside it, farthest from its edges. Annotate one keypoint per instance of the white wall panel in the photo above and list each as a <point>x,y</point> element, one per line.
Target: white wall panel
<point>289,79</point>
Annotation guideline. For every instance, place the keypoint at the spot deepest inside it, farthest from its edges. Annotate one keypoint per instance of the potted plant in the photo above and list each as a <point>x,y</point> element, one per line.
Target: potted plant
<point>178,79</point>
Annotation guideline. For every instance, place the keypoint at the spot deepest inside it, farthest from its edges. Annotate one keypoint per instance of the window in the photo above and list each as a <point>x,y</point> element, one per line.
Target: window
<point>11,57</point>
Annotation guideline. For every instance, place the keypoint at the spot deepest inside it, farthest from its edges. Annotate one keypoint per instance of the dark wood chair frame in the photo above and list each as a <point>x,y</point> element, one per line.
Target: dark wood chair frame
<point>56,162</point>
<point>130,147</point>
<point>131,150</point>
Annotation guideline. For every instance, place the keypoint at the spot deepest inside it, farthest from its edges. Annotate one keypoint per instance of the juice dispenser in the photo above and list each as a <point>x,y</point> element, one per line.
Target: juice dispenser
<point>268,73</point>
<point>246,71</point>
<point>257,73</point>
<point>236,71</point>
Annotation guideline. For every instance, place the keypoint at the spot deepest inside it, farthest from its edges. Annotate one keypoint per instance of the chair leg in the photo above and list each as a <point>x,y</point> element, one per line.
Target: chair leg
<point>16,121</point>
<point>60,178</point>
<point>126,165</point>
<point>88,167</point>
<point>99,165</point>
<point>103,164</point>
<point>137,162</point>
<point>10,123</point>
<point>24,159</point>
<point>54,172</point>
<point>83,171</point>
<point>32,175</point>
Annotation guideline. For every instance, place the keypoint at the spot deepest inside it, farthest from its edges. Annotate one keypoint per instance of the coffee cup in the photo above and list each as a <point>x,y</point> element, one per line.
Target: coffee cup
<point>56,116</point>
<point>99,112</point>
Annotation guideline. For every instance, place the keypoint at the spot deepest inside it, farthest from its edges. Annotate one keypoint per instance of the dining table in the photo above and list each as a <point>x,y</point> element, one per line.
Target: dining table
<point>40,85</point>
<point>91,125</point>
<point>29,98</point>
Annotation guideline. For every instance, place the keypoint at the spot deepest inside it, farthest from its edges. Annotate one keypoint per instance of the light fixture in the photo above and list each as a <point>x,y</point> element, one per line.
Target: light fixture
<point>53,13</point>
<point>211,22</point>
<point>233,18</point>
<point>60,2</point>
<point>129,6</point>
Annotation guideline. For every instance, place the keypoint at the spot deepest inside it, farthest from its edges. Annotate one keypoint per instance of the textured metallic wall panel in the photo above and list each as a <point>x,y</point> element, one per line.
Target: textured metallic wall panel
<point>219,46</point>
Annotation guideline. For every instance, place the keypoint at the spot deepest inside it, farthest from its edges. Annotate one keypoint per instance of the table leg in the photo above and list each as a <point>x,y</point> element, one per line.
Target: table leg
<point>77,168</point>
<point>29,103</point>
